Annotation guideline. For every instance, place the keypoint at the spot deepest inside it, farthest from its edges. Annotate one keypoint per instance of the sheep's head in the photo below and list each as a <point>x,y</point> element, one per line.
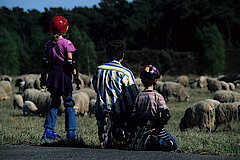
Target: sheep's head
<point>185,121</point>
<point>187,98</point>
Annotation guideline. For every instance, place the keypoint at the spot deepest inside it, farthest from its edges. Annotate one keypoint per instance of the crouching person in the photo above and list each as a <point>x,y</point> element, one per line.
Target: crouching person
<point>151,114</point>
<point>116,92</point>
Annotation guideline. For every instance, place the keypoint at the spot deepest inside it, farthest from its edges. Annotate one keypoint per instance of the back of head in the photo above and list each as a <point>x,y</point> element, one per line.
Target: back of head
<point>149,74</point>
<point>115,50</point>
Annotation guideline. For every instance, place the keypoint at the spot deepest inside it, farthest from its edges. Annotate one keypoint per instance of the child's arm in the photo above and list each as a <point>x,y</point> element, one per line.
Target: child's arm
<point>74,70</point>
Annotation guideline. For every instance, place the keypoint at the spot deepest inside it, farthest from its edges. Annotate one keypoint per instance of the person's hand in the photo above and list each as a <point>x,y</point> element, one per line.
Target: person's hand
<point>77,81</point>
<point>43,80</point>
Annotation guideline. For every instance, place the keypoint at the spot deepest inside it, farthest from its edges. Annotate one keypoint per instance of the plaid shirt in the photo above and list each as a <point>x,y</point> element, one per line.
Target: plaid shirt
<point>147,105</point>
<point>115,86</point>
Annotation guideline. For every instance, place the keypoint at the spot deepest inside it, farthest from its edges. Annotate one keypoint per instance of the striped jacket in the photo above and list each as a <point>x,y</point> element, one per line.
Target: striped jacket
<point>148,105</point>
<point>115,86</point>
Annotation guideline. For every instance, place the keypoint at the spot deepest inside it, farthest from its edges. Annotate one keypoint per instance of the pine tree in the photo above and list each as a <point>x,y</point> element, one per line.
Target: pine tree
<point>85,51</point>
<point>212,46</point>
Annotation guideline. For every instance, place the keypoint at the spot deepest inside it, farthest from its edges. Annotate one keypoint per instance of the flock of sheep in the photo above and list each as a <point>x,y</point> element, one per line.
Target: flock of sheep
<point>206,114</point>
<point>33,100</point>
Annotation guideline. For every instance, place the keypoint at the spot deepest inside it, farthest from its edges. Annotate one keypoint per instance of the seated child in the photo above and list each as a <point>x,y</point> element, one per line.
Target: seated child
<point>151,114</point>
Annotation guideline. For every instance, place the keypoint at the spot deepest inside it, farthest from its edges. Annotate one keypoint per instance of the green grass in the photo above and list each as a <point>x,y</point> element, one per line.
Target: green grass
<point>17,129</point>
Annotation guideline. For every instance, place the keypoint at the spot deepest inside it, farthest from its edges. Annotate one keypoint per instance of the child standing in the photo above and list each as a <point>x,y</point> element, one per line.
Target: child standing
<point>151,114</point>
<point>59,65</point>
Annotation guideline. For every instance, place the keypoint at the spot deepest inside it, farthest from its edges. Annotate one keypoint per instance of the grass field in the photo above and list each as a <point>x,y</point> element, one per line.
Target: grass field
<point>17,129</point>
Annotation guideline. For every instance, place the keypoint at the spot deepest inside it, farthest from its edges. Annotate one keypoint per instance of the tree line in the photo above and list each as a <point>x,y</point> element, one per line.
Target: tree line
<point>207,27</point>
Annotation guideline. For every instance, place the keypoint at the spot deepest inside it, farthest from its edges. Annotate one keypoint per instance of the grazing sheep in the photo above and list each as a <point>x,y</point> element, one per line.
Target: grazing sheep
<point>81,100</point>
<point>176,90</point>
<point>92,107</point>
<point>138,82</point>
<point>159,87</point>
<point>231,86</point>
<point>17,101</point>
<point>42,99</point>
<point>86,79</point>
<point>6,78</point>
<point>37,84</point>
<point>225,86</point>
<point>29,83</point>
<point>201,114</point>
<point>183,80</point>
<point>226,96</point>
<point>213,84</point>
<point>29,108</point>
<point>226,113</point>
<point>6,85</point>
<point>3,94</point>
<point>91,93</point>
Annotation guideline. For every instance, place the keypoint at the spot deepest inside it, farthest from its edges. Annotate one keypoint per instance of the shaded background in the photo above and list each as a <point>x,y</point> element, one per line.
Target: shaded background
<point>178,36</point>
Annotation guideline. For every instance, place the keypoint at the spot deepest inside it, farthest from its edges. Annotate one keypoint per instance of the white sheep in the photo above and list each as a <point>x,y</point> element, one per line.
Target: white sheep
<point>6,85</point>
<point>18,101</point>
<point>213,84</point>
<point>92,107</point>
<point>183,80</point>
<point>201,114</point>
<point>226,113</point>
<point>3,94</point>
<point>86,79</point>
<point>81,100</point>
<point>42,99</point>
<point>226,96</point>
<point>29,108</point>
<point>6,78</point>
<point>231,86</point>
<point>225,85</point>
<point>176,90</point>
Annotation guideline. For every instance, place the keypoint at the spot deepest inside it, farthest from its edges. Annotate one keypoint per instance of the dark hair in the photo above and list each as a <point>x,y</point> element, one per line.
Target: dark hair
<point>115,49</point>
<point>148,82</point>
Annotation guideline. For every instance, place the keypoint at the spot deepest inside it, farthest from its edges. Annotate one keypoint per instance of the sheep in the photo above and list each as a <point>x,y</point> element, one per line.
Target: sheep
<point>183,80</point>
<point>138,82</point>
<point>225,85</point>
<point>226,113</point>
<point>159,87</point>
<point>91,92</point>
<point>3,94</point>
<point>231,86</point>
<point>226,96</point>
<point>29,83</point>
<point>81,100</point>
<point>213,84</point>
<point>86,79</point>
<point>92,107</point>
<point>6,78</point>
<point>6,85</point>
<point>201,114</point>
<point>29,108</point>
<point>42,99</point>
<point>176,90</point>
<point>36,84</point>
<point>18,101</point>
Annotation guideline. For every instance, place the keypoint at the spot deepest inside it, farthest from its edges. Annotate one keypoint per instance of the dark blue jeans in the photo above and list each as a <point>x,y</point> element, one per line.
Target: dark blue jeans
<point>70,118</point>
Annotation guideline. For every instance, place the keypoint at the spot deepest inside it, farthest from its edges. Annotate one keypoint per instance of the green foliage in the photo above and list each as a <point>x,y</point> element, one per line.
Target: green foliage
<point>11,48</point>
<point>213,49</point>
<point>85,54</point>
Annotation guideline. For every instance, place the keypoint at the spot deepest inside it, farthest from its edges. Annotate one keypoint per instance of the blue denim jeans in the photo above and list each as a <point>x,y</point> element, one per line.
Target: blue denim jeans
<point>51,118</point>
